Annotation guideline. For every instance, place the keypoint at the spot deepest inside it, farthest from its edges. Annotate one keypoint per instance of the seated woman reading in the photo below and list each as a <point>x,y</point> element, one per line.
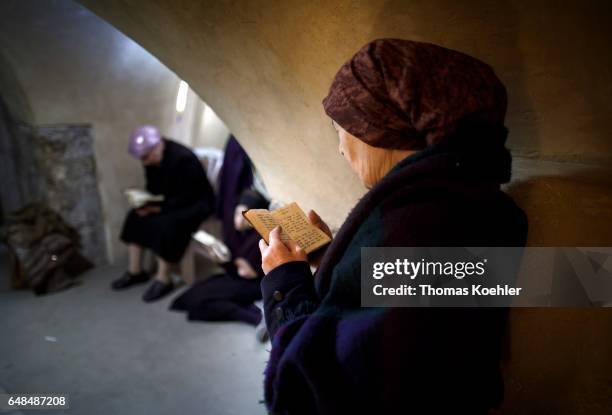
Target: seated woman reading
<point>174,172</point>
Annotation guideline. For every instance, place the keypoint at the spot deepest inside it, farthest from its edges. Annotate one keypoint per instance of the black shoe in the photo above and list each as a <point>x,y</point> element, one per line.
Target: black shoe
<point>127,280</point>
<point>156,291</point>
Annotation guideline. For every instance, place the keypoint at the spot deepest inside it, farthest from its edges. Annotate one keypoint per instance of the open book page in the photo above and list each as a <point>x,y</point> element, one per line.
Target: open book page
<point>295,225</point>
<point>137,197</point>
<point>263,222</point>
<point>295,222</point>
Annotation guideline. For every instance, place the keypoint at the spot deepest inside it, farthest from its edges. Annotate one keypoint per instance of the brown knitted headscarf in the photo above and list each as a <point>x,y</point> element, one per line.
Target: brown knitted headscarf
<point>401,94</point>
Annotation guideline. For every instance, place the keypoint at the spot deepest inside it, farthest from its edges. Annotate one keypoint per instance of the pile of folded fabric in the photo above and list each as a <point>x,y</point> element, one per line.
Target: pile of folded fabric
<point>44,250</point>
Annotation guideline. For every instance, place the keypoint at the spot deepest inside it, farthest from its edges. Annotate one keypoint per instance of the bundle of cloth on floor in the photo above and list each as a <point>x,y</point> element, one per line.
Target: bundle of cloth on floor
<point>45,250</point>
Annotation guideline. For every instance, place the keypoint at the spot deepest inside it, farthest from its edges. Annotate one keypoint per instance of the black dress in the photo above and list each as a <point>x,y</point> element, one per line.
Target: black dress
<point>188,200</point>
<point>221,297</point>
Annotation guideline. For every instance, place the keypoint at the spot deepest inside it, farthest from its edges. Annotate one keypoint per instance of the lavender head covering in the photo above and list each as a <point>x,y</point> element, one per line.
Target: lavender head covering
<point>143,140</point>
<point>402,94</point>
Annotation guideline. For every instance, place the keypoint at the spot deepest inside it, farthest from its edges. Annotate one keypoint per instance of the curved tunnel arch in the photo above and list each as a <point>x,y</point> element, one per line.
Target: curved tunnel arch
<point>265,66</point>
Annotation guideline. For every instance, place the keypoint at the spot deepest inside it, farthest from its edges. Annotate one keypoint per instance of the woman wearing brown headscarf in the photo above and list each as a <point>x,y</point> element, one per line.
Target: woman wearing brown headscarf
<point>423,127</point>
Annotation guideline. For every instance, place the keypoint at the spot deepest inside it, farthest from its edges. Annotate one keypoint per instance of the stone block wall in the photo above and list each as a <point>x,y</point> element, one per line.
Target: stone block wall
<point>66,159</point>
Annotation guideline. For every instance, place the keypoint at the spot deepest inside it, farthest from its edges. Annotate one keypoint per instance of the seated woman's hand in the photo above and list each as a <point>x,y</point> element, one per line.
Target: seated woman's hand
<point>278,253</point>
<point>148,209</point>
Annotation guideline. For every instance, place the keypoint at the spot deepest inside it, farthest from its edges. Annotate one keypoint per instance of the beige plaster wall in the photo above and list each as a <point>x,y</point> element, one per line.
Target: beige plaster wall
<point>264,66</point>
<point>60,63</point>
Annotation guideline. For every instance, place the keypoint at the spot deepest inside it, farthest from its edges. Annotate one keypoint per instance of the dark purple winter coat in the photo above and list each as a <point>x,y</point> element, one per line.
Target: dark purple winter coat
<point>331,356</point>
